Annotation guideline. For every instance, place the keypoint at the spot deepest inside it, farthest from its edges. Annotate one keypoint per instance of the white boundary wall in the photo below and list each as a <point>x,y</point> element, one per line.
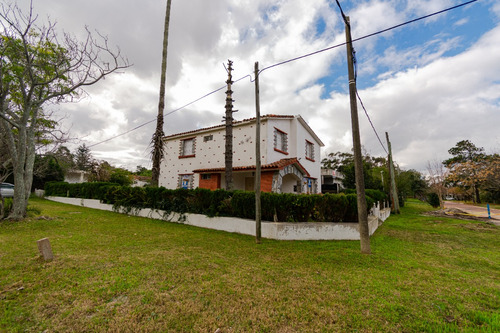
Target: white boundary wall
<point>271,230</point>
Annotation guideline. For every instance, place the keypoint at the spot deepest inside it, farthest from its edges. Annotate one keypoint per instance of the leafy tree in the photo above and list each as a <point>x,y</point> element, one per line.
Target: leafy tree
<point>465,166</point>
<point>101,172</point>
<point>344,163</point>
<point>38,67</point>
<point>411,183</point>
<point>142,171</point>
<point>489,177</point>
<point>64,158</point>
<point>46,169</point>
<point>83,158</point>
<point>121,176</point>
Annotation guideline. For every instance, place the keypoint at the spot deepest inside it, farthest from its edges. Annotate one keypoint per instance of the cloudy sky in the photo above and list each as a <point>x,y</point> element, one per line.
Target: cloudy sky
<point>428,84</point>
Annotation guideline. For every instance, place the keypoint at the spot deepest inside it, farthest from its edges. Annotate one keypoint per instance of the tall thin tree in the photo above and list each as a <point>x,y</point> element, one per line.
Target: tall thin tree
<point>157,140</point>
<point>229,128</point>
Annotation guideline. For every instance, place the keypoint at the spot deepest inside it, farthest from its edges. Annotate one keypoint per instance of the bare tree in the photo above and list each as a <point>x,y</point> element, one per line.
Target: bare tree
<point>37,67</point>
<point>157,140</point>
<point>437,177</point>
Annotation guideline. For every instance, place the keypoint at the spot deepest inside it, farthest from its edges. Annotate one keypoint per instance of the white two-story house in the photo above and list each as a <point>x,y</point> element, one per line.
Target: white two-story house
<point>290,156</point>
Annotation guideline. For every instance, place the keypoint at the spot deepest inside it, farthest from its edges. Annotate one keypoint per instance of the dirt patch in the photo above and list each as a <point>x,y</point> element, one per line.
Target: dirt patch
<point>457,214</point>
<point>479,226</point>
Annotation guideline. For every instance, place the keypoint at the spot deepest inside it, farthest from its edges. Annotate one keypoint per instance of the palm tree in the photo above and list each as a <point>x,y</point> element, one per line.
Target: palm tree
<point>157,140</point>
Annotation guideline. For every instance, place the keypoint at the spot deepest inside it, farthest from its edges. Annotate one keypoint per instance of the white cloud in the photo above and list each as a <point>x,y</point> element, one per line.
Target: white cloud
<point>425,100</point>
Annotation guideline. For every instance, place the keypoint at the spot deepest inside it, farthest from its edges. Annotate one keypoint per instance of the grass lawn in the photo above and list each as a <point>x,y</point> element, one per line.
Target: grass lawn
<point>117,273</point>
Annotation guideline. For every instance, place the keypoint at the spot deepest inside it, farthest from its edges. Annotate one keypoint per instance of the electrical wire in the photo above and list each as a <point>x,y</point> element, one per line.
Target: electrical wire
<point>371,123</point>
<point>414,20</point>
<point>166,114</point>
<point>291,60</point>
<point>366,36</point>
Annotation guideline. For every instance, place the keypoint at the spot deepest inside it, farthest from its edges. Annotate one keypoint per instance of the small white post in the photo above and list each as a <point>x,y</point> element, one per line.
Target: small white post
<point>45,249</point>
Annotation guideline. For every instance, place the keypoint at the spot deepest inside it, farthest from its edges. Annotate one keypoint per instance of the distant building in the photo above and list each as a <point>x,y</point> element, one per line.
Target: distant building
<point>141,181</point>
<point>76,176</point>
<point>290,157</point>
<point>331,181</point>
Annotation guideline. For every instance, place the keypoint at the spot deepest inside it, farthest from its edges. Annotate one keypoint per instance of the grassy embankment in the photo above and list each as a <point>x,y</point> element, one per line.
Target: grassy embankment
<point>119,273</point>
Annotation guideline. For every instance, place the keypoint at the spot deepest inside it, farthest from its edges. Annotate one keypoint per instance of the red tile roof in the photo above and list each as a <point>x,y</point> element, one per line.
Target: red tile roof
<point>278,165</point>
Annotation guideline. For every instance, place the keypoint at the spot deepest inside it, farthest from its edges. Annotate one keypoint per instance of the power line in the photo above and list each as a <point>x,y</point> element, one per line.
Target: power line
<point>415,20</point>
<point>167,114</point>
<point>286,62</point>
<point>366,36</point>
<point>382,31</point>
<point>371,123</point>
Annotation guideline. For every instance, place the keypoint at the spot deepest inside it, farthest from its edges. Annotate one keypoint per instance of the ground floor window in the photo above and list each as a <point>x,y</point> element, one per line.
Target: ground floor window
<point>186,181</point>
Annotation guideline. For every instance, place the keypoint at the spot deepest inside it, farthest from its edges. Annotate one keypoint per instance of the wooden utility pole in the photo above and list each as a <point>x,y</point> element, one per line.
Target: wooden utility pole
<point>364,232</point>
<point>157,139</point>
<point>258,212</point>
<point>393,192</point>
<point>229,128</point>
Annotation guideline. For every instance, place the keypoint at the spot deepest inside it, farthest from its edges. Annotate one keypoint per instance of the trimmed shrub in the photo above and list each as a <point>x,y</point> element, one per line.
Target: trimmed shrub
<point>94,190</point>
<point>332,207</point>
<point>285,207</point>
<point>433,199</point>
<point>243,204</point>
<point>57,189</point>
<point>376,195</point>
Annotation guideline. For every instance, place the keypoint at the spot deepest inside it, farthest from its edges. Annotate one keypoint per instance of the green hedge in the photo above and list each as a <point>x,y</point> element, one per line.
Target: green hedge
<point>94,190</point>
<point>275,207</point>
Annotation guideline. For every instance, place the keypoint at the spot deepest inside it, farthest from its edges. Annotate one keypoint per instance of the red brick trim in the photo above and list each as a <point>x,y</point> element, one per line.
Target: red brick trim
<point>286,141</point>
<point>266,181</point>
<point>276,128</point>
<point>280,151</point>
<point>213,183</point>
<point>312,144</point>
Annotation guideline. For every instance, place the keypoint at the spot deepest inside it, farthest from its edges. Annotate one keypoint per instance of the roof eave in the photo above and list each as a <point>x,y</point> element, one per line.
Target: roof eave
<point>309,129</point>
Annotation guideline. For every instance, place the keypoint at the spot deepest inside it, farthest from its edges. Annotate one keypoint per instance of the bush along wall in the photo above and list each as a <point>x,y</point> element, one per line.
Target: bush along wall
<point>284,207</point>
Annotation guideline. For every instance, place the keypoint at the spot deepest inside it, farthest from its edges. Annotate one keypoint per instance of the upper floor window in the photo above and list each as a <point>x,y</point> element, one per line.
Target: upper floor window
<point>187,148</point>
<point>310,150</point>
<point>280,141</point>
<point>208,138</point>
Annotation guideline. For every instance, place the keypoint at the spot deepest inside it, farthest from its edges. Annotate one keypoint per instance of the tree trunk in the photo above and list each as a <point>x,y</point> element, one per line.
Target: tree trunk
<point>158,135</point>
<point>476,192</point>
<point>229,130</point>
<point>23,167</point>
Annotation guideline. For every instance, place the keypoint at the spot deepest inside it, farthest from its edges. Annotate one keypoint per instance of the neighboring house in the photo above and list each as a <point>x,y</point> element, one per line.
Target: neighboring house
<point>331,181</point>
<point>290,157</point>
<point>76,176</point>
<point>141,181</point>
